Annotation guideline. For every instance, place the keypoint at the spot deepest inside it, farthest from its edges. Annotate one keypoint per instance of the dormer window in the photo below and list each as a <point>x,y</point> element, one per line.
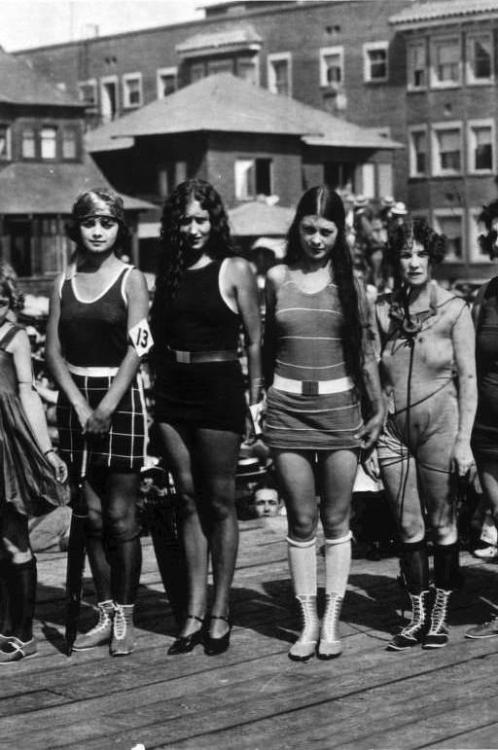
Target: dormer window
<point>48,143</point>
<point>28,143</point>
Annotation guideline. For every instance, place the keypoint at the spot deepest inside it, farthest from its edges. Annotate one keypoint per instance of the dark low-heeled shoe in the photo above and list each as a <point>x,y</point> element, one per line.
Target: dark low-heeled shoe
<point>186,643</point>
<point>215,646</point>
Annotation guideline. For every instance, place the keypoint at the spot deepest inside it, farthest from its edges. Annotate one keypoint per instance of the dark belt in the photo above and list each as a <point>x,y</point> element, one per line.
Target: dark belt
<point>195,357</point>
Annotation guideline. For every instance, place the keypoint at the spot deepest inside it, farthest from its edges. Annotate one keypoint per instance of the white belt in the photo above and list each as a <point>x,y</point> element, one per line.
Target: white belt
<point>92,372</point>
<point>312,387</point>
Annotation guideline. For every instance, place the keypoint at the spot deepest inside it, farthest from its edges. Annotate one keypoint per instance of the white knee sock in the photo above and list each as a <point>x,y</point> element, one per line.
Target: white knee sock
<point>337,564</point>
<point>302,565</point>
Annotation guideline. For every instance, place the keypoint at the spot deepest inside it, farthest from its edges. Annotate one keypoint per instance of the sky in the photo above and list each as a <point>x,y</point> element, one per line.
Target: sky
<point>34,23</point>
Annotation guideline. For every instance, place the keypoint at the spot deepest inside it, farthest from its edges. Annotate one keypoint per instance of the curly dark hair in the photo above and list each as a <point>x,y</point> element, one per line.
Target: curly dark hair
<point>486,217</point>
<point>325,202</point>
<point>9,287</point>
<point>86,204</point>
<point>401,235</point>
<point>219,244</point>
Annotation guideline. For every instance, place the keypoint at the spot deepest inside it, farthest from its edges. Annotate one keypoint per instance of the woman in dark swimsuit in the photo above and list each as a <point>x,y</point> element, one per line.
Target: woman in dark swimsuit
<point>203,294</point>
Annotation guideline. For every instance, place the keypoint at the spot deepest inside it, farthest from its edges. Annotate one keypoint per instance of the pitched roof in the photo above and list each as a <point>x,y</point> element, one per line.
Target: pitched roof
<point>438,10</point>
<point>243,37</point>
<point>256,218</point>
<point>19,84</point>
<point>41,188</point>
<point>224,103</point>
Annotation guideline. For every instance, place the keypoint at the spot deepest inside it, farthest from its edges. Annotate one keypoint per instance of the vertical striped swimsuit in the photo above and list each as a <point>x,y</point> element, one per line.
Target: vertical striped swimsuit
<point>309,333</point>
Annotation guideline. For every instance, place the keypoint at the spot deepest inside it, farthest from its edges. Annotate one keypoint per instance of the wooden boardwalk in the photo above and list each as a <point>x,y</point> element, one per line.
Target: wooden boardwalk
<point>253,696</point>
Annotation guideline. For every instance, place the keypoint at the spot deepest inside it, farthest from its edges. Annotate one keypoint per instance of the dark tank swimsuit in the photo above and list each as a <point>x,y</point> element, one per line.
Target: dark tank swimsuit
<point>208,395</point>
<point>484,439</point>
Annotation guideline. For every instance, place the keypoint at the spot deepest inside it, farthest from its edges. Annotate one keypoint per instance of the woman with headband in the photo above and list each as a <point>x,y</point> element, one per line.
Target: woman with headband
<point>428,370</point>
<point>97,332</point>
<point>318,360</point>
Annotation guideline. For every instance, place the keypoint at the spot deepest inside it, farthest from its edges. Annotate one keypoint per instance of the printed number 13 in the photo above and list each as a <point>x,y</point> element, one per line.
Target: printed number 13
<point>142,338</point>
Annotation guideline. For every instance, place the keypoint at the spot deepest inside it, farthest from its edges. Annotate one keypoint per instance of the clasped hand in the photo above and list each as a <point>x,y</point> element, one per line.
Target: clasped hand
<point>94,422</point>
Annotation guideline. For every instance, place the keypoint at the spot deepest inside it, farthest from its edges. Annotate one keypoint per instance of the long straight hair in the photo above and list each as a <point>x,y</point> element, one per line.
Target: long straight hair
<point>326,203</point>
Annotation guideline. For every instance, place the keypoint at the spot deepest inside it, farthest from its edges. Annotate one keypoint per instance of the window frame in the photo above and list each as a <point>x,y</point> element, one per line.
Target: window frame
<point>325,52</point>
<point>171,71</point>
<point>104,81</point>
<point>126,79</point>
<point>77,146</point>
<point>412,153</point>
<point>435,82</point>
<point>93,83</point>
<point>480,123</point>
<point>367,67</point>
<point>8,142</point>
<point>473,233</point>
<point>32,129</point>
<point>451,213</point>
<point>411,85</point>
<point>254,159</point>
<point>437,128</point>
<point>469,77</point>
<point>39,141</point>
<point>270,72</point>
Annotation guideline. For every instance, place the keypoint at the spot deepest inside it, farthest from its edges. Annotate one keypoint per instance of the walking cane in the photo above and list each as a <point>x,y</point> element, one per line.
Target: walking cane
<point>76,558</point>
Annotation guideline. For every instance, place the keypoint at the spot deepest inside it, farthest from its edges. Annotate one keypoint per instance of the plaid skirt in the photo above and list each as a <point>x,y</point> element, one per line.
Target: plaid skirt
<point>123,448</point>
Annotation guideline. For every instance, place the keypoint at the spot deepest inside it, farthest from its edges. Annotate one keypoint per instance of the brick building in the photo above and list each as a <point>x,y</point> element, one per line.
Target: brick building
<point>422,72</point>
<point>43,166</point>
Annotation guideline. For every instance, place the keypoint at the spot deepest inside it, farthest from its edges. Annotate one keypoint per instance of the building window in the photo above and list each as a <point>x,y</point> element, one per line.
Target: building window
<point>48,143</point>
<point>476,252</point>
<point>197,71</point>
<point>418,152</point>
<point>248,69</point>
<point>480,144</point>
<point>132,90</point>
<point>450,223</point>
<point>166,81</point>
<point>332,67</point>
<point>279,74</point>
<point>28,144</point>
<point>375,62</point>
<point>417,66</point>
<point>87,91</point>
<point>4,143</point>
<point>109,98</point>
<point>252,178</point>
<point>220,66</point>
<point>446,65</point>
<point>69,143</point>
<point>447,149</point>
<point>479,58</point>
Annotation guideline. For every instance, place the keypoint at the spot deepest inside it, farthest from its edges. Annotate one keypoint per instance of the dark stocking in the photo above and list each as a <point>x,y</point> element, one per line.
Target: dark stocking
<point>415,566</point>
<point>5,622</point>
<point>122,536</point>
<point>21,583</point>
<point>447,567</point>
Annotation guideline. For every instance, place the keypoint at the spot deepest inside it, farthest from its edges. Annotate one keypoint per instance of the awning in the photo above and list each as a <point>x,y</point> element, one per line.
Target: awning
<point>233,40</point>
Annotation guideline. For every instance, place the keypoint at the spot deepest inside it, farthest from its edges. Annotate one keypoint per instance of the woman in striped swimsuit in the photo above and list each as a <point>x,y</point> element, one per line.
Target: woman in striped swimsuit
<point>96,333</point>
<point>318,355</point>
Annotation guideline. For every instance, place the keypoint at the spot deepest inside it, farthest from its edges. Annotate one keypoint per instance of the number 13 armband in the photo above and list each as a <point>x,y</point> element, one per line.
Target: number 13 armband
<point>140,337</point>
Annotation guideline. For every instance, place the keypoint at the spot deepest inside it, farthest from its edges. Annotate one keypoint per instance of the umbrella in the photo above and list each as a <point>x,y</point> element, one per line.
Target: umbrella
<point>75,558</point>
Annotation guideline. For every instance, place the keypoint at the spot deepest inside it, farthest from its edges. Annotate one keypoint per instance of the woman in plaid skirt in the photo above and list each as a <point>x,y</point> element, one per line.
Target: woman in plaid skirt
<point>97,332</point>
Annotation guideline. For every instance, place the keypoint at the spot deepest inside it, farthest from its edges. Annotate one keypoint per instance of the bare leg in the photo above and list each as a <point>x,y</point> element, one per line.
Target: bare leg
<point>178,447</point>
<point>296,473</point>
<point>217,453</point>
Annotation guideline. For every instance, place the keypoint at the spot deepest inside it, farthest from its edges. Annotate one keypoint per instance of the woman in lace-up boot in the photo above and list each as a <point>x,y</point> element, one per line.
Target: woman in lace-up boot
<point>427,339</point>
<point>317,356</point>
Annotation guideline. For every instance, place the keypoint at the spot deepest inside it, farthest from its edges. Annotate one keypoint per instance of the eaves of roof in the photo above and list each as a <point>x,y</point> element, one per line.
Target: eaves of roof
<point>41,188</point>
<point>432,13</point>
<point>224,103</point>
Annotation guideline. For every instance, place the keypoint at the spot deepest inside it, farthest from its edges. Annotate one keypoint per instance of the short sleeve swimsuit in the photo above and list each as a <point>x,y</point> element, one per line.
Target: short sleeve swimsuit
<point>208,395</point>
<point>94,341</point>
<point>28,483</point>
<point>485,432</point>
<point>310,350</point>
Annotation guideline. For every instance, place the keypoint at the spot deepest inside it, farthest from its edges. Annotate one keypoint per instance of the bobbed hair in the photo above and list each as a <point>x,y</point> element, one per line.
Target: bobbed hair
<point>403,235</point>
<point>87,204</point>
<point>9,287</point>
<point>486,217</point>
<point>324,202</point>
<point>219,244</point>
